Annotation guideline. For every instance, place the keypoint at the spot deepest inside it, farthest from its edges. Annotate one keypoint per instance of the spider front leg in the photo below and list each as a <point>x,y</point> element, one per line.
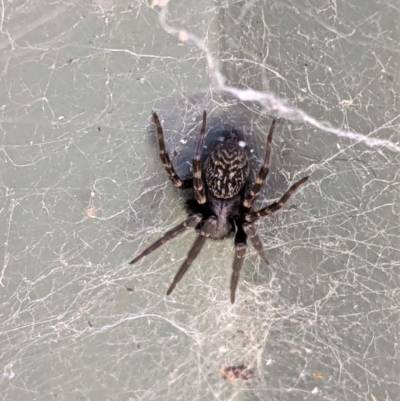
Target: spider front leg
<point>205,232</point>
<point>190,222</point>
<point>178,183</point>
<point>244,230</point>
<point>240,252</point>
<point>255,239</point>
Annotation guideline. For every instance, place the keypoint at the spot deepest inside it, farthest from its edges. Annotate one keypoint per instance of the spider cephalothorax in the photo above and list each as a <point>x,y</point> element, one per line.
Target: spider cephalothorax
<point>223,198</point>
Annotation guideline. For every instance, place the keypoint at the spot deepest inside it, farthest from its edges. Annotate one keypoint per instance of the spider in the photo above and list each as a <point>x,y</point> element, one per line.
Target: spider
<point>223,197</point>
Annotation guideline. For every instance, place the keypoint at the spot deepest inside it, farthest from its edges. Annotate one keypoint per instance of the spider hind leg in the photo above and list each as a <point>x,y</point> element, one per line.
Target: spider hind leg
<point>166,161</point>
<point>198,185</point>
<point>262,174</point>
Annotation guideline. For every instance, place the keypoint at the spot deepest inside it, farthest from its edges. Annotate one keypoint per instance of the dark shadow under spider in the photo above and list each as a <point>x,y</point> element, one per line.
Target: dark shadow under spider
<point>223,198</point>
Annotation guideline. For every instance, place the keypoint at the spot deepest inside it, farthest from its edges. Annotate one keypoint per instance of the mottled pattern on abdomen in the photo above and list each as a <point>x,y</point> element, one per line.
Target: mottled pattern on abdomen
<point>226,170</point>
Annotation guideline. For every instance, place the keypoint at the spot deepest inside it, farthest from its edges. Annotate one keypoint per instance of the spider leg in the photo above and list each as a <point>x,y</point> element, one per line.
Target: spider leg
<point>262,174</point>
<point>255,239</point>
<point>250,217</point>
<point>178,183</point>
<point>240,251</point>
<point>191,221</point>
<point>198,186</point>
<point>194,251</point>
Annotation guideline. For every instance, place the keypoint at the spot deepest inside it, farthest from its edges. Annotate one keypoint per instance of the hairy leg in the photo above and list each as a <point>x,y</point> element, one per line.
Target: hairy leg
<point>198,185</point>
<point>240,252</point>
<point>191,221</point>
<point>194,251</point>
<point>178,183</point>
<point>262,174</point>
<point>255,239</point>
<point>250,217</point>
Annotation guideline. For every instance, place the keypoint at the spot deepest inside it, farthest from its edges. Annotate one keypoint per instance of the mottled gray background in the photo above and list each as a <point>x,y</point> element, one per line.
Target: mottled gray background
<point>82,191</point>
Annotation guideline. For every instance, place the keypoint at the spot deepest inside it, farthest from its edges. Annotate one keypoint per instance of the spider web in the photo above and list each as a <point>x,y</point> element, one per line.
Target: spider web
<point>83,190</point>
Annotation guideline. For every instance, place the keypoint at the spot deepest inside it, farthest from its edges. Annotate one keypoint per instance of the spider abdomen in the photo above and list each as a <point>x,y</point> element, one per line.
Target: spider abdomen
<point>226,170</point>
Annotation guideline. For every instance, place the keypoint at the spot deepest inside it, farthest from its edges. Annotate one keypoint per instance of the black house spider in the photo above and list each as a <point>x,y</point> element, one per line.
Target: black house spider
<point>223,199</point>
